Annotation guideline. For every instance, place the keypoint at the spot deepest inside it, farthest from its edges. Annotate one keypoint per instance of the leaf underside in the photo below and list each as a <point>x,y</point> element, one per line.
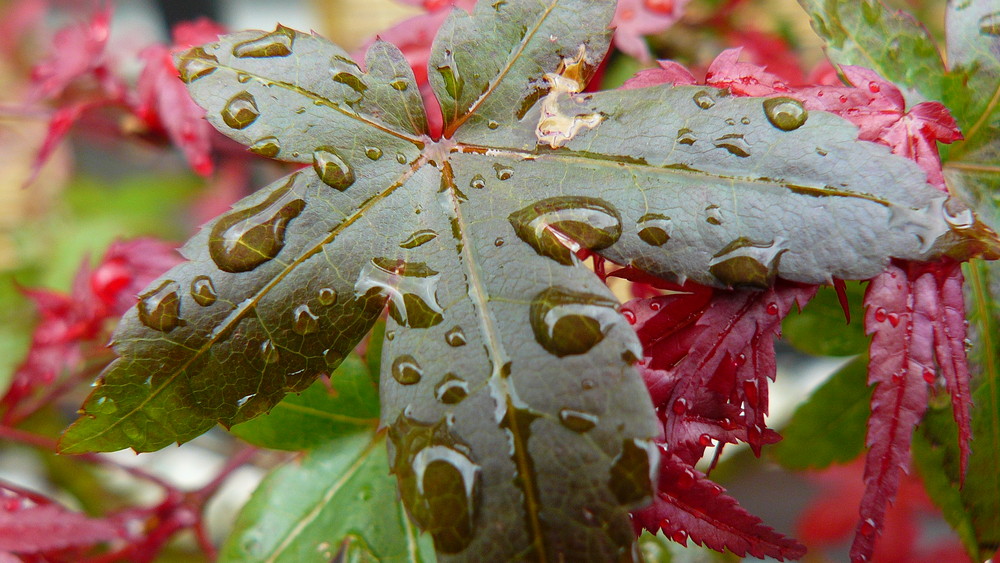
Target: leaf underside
<point>518,426</point>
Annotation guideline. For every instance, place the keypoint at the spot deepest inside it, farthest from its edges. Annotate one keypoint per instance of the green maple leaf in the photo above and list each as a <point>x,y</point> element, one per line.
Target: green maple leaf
<point>518,426</point>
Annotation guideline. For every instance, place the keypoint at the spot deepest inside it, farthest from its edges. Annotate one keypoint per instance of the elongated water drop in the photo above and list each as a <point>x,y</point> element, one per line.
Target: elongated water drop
<point>351,81</point>
<point>453,82</point>
<point>451,390</point>
<point>267,146</point>
<point>195,64</point>
<point>278,43</point>
<point>745,263</point>
<point>400,85</point>
<point>245,239</point>
<point>786,114</point>
<point>203,291</point>
<point>655,229</point>
<point>577,421</point>
<point>703,99</point>
<point>419,238</point>
<point>590,222</point>
<point>159,308</point>
<point>735,143</point>
<point>332,169</point>
<point>240,111</point>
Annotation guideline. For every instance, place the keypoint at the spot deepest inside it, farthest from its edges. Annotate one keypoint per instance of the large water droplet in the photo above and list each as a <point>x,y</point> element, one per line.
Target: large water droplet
<point>245,239</point>
<point>159,308</point>
<point>990,24</point>
<point>735,143</point>
<point>268,352</point>
<point>327,296</point>
<point>278,43</point>
<point>451,390</point>
<point>305,322</point>
<point>240,111</point>
<point>631,478</point>
<point>590,222</point>
<point>455,337</point>
<point>567,323</point>
<point>267,146</point>
<point>577,421</point>
<point>703,99</point>
<point>351,81</point>
<point>406,370</point>
<point>410,286</point>
<point>203,291</point>
<point>332,169</point>
<point>400,85</point>
<point>196,64</point>
<point>786,114</point>
<point>419,238</point>
<point>656,229</point>
<point>745,263</point>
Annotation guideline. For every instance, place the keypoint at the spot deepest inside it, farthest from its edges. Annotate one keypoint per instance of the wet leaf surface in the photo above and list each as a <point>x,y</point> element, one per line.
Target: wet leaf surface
<point>518,426</point>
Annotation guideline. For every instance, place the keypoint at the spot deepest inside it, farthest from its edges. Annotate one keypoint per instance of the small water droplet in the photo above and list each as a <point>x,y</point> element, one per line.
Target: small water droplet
<point>278,43</point>
<point>990,24</point>
<point>589,222</point>
<point>703,99</point>
<point>868,527</point>
<point>305,321</point>
<point>705,440</point>
<point>418,238</point>
<point>568,323</point>
<point>498,242</point>
<point>929,376</point>
<point>477,182</point>
<point>401,158</point>
<point>685,136</point>
<point>686,479</point>
<point>822,152</point>
<point>451,390</point>
<point>629,316</point>
<point>373,153</point>
<point>406,370</point>
<point>656,229</point>
<point>332,169</point>
<point>400,85</point>
<point>786,114</point>
<point>680,536</point>
<point>327,296</point>
<point>351,81</point>
<point>268,147</point>
<point>880,314</point>
<point>745,263</point>
<point>240,111</point>
<point>202,291</point>
<point>103,405</point>
<point>246,238</point>
<point>455,337</point>
<point>730,121</point>
<point>159,308</point>
<point>195,64</point>
<point>734,143</point>
<point>333,357</point>
<point>268,352</point>
<point>893,319</point>
<point>679,407</point>
<point>503,172</point>
<point>577,421</point>
<point>745,120</point>
<point>492,124</point>
<point>655,306</point>
<point>874,87</point>
<point>772,309</point>
<point>713,215</point>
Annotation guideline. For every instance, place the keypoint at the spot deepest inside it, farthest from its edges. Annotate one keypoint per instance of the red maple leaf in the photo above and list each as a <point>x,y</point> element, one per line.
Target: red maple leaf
<point>77,51</point>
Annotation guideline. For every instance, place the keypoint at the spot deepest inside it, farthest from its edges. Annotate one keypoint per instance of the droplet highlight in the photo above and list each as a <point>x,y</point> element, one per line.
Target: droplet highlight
<point>267,147</point>
<point>406,370</point>
<point>577,421</point>
<point>568,323</point>
<point>589,222</point>
<point>451,390</point>
<point>418,238</point>
<point>305,322</point>
<point>745,263</point>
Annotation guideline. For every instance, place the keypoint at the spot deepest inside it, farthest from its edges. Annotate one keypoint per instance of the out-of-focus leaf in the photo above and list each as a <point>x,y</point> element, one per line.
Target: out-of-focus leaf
<point>821,328</point>
<point>346,403</point>
<point>340,496</point>
<point>29,527</point>
<point>830,426</point>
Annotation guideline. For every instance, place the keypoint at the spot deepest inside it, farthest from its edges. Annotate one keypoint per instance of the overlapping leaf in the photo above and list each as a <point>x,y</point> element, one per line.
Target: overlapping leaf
<point>518,426</point>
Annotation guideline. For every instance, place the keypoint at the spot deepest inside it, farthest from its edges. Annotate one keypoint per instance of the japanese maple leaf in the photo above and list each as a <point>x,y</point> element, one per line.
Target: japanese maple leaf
<point>77,51</point>
<point>518,422</point>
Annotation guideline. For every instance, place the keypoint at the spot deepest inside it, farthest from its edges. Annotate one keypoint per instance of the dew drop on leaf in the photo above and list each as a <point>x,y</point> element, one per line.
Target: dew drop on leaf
<point>990,24</point>
<point>401,158</point>
<point>159,309</point>
<point>242,77</point>
<point>631,480</point>
<point>333,357</point>
<point>245,239</point>
<point>240,111</point>
<point>373,153</point>
<point>868,527</point>
<point>713,215</point>
<point>492,124</point>
<point>680,406</point>
<point>406,370</point>
<point>410,286</point>
<point>656,229</point>
<point>703,99</point>
<point>203,291</point>
<point>577,421</point>
<point>477,182</point>
<point>929,376</point>
<point>418,238</point>
<point>590,222</point>
<point>734,143</point>
<point>745,263</point>
<point>305,322</point>
<point>327,296</point>
<point>451,390</point>
<point>880,314</point>
<point>400,85</point>
<point>685,136</point>
<point>332,169</point>
<point>503,172</point>
<point>351,81</point>
<point>267,146</point>
<point>278,43</point>
<point>786,114</point>
<point>567,323</point>
<point>196,64</point>
<point>268,352</point>
<point>455,337</point>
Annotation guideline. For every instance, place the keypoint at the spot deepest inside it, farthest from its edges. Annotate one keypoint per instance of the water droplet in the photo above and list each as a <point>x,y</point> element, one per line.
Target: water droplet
<point>103,405</point>
<point>680,406</point>
<point>419,238</point>
<point>750,392</point>
<point>202,291</point>
<point>390,335</point>
<point>278,43</point>
<point>503,172</point>
<point>327,296</point>
<point>195,64</point>
<point>655,306</point>
<point>332,169</point>
<point>745,263</point>
<point>477,182</point>
<point>705,440</point>
<point>893,319</point>
<point>268,147</point>
<point>713,215</point>
<point>680,536</point>
<point>159,308</point>
<point>957,215</point>
<point>246,238</point>
<point>305,321</point>
<point>631,475</point>
<point>822,152</point>
<point>401,158</point>
<point>492,124</point>
<point>451,390</point>
<point>655,229</point>
<point>786,114</point>
<point>730,121</point>
<point>685,136</point>
<point>400,85</point>
<point>577,421</point>
<point>874,87</point>
<point>880,314</point>
<point>568,323</point>
<point>333,357</point>
<point>351,81</point>
<point>453,82</point>
<point>703,99</point>
<point>406,370</point>
<point>868,527</point>
<point>455,337</point>
<point>929,376</point>
<point>686,479</point>
<point>990,24</point>
<point>373,153</point>
<point>410,286</point>
<point>268,352</point>
<point>772,309</point>
<point>589,222</point>
<point>734,143</point>
<point>745,120</point>
<point>498,242</point>
<point>242,77</point>
<point>629,316</point>
<point>240,111</point>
